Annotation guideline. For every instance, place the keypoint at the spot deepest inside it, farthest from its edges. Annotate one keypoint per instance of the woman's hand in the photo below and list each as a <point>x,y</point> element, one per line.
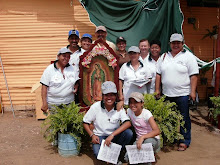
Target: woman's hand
<point>193,95</point>
<point>95,139</point>
<point>44,107</point>
<point>139,142</point>
<point>108,140</point>
<point>157,94</point>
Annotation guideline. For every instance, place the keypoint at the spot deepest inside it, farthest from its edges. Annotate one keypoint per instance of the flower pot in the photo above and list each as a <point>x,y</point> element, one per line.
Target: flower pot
<point>67,145</point>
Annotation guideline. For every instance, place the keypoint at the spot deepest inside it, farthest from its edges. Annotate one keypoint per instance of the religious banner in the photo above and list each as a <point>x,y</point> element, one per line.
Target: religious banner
<point>97,65</point>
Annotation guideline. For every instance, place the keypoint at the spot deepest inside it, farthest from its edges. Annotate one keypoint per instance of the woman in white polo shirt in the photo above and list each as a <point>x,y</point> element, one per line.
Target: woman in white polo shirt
<point>59,81</point>
<point>106,120</point>
<point>177,71</point>
<point>133,75</point>
<point>151,62</point>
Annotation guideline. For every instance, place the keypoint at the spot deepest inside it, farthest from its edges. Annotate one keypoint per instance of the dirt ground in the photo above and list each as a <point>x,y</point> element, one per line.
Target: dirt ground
<point>21,142</point>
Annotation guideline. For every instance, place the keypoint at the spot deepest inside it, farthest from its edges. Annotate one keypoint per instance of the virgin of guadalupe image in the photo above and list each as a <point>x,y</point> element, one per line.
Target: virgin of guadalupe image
<point>97,78</point>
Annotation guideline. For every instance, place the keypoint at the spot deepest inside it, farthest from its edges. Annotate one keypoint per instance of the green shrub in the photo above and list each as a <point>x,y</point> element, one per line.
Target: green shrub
<point>166,116</point>
<point>216,110</point>
<point>64,119</point>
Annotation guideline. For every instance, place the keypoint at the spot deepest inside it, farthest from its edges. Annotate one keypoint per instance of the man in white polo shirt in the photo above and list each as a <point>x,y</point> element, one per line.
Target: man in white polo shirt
<point>177,71</point>
<point>101,32</point>
<point>58,81</point>
<point>73,39</point>
<point>106,119</point>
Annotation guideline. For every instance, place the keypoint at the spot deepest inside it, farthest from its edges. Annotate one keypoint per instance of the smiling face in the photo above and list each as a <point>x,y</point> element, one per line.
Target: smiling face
<point>63,59</point>
<point>176,47</point>
<point>101,34</point>
<point>121,46</point>
<point>144,47</point>
<point>155,50</point>
<point>134,57</point>
<point>109,99</point>
<point>135,106</point>
<point>73,40</point>
<point>86,43</point>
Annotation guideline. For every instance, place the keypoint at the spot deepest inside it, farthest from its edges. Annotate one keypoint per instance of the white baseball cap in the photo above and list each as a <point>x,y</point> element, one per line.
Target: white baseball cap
<point>134,49</point>
<point>64,50</point>
<point>176,37</point>
<point>109,87</point>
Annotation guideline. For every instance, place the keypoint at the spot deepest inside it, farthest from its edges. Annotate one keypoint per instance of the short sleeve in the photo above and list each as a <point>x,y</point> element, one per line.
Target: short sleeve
<point>124,116</point>
<point>192,64</point>
<point>122,72</point>
<point>159,63</point>
<point>147,115</point>
<point>91,114</point>
<point>45,78</point>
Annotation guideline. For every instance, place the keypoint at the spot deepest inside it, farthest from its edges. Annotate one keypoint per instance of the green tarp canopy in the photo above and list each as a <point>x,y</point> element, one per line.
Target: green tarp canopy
<point>136,20</point>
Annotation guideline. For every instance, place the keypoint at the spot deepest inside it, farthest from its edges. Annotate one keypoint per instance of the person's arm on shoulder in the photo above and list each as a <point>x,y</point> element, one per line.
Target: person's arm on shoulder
<point>155,131</point>
<point>123,127</point>
<point>193,85</point>
<point>44,106</point>
<point>121,96</point>
<point>120,105</point>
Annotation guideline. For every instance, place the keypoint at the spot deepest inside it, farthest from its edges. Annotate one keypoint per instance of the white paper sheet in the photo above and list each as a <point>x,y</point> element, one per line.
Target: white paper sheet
<point>109,154</point>
<point>144,155</point>
<point>141,82</point>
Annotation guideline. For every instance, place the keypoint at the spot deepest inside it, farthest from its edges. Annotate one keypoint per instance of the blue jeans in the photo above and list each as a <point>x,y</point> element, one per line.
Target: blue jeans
<point>183,107</point>
<point>122,139</point>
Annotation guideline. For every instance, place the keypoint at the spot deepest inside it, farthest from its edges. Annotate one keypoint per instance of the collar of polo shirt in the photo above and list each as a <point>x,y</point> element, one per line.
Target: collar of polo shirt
<point>129,63</point>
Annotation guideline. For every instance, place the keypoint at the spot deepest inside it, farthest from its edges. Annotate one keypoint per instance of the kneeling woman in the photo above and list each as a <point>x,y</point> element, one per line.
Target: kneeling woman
<point>107,119</point>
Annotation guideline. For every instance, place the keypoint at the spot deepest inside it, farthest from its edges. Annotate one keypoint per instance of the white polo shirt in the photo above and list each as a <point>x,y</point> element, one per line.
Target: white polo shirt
<point>144,61</point>
<point>175,73</point>
<point>128,74</point>
<point>75,58</point>
<point>60,86</point>
<point>105,122</point>
<point>152,64</point>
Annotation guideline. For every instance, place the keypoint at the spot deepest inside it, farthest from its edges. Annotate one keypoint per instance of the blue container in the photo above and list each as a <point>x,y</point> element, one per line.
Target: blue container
<point>67,145</point>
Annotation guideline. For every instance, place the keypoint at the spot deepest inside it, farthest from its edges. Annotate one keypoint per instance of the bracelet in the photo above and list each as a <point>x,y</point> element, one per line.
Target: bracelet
<point>112,135</point>
<point>91,134</point>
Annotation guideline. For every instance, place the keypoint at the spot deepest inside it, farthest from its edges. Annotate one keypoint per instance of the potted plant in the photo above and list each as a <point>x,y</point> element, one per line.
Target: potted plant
<point>166,116</point>
<point>66,121</point>
<point>215,111</point>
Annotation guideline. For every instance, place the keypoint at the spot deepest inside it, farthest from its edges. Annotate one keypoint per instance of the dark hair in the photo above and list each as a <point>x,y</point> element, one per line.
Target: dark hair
<point>157,42</point>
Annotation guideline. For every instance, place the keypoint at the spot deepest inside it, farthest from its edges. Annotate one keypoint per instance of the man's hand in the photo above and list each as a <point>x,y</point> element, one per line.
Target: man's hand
<point>95,139</point>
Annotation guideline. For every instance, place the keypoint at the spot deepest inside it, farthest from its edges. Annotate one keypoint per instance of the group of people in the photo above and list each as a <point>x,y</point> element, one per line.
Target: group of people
<point>142,70</point>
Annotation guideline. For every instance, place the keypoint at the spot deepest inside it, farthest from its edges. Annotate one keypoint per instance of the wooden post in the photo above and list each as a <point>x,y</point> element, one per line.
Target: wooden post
<point>217,73</point>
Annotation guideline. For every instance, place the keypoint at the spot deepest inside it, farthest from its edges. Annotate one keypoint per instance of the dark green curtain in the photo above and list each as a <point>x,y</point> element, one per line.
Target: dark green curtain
<point>136,20</point>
